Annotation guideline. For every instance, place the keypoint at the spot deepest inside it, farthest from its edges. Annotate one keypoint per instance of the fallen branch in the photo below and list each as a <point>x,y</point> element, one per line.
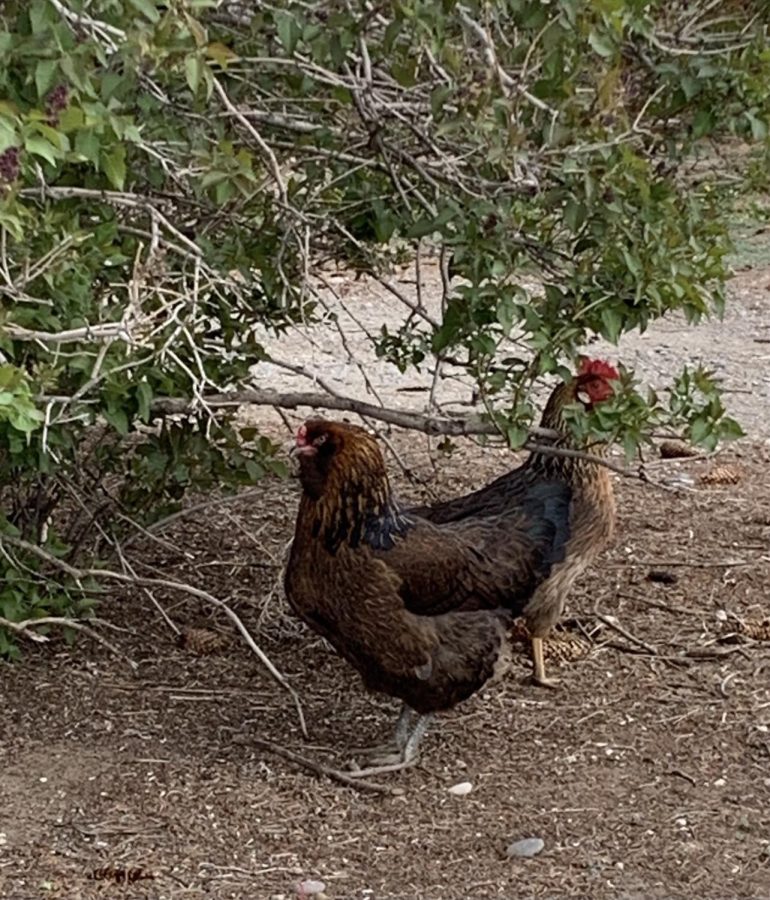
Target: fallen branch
<point>23,628</point>
<point>142,581</point>
<point>318,768</point>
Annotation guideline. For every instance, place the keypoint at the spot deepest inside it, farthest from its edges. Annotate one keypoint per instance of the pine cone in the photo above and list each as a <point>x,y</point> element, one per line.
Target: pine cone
<point>722,475</point>
<point>202,641</point>
<point>676,450</point>
<point>756,629</point>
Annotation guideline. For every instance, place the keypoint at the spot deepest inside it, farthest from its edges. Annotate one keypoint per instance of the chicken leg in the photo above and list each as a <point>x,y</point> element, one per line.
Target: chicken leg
<point>399,753</point>
<point>538,673</point>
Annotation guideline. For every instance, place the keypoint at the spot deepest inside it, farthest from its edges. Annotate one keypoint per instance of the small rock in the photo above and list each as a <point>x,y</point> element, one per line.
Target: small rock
<point>310,888</point>
<point>526,848</point>
<point>461,789</point>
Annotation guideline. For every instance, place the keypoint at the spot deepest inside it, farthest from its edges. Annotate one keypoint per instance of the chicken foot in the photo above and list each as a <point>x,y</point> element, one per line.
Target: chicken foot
<point>386,752</point>
<point>399,753</point>
<point>538,673</point>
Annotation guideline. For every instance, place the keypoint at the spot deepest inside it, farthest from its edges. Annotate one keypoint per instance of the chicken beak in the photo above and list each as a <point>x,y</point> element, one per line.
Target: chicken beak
<point>301,450</point>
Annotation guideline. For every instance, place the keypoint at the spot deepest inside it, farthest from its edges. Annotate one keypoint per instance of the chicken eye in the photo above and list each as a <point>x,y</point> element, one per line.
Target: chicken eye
<point>321,439</point>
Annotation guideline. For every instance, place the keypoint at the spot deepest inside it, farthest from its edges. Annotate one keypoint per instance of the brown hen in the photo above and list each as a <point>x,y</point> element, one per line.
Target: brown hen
<point>591,516</point>
<point>419,609</point>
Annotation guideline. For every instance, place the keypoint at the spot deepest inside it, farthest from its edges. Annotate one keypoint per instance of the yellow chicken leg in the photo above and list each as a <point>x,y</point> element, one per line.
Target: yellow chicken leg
<point>538,673</point>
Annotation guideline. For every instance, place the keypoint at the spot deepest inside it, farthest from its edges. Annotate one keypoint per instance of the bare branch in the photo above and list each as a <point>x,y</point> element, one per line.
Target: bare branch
<point>124,578</point>
<point>23,628</point>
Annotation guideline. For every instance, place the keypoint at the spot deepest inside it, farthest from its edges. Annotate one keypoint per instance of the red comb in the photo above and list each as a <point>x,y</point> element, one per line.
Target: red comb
<point>599,368</point>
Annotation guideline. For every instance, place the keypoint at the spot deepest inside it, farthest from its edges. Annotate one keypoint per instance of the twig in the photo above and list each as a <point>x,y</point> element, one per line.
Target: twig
<point>657,604</point>
<point>64,622</point>
<point>260,141</point>
<point>311,765</point>
<point>691,564</point>
<point>108,574</point>
<point>680,774</point>
<point>613,623</point>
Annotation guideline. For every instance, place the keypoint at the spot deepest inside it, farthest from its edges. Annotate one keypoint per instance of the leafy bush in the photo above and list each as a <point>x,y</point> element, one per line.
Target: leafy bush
<point>172,173</point>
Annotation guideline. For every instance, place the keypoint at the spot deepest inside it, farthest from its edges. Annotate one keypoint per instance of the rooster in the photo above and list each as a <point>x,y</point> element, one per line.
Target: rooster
<point>419,609</point>
<point>592,504</point>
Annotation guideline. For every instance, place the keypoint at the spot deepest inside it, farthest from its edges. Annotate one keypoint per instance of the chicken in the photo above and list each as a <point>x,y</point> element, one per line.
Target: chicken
<point>592,503</point>
<point>419,609</point>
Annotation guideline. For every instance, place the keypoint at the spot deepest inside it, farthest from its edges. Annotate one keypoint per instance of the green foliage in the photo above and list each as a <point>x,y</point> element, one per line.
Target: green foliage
<point>693,406</point>
<point>171,172</point>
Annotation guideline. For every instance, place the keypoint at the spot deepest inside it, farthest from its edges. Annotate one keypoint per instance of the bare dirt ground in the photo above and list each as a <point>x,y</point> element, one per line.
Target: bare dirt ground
<point>647,775</point>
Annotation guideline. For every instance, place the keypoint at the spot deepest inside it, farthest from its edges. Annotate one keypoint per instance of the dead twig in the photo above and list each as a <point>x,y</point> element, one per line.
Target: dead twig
<point>690,564</point>
<point>311,765</point>
<point>612,622</point>
<point>680,774</point>
<point>23,628</point>
<point>657,604</point>
<point>142,581</point>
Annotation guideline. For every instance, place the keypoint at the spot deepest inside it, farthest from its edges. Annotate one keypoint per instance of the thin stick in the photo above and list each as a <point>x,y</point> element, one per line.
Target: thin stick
<point>657,604</point>
<point>64,622</point>
<point>318,768</point>
<point>694,564</point>
<point>611,622</point>
<point>140,580</point>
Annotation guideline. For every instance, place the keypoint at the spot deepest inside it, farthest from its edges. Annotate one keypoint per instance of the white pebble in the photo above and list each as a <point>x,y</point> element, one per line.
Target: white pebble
<point>309,887</point>
<point>526,848</point>
<point>461,789</point>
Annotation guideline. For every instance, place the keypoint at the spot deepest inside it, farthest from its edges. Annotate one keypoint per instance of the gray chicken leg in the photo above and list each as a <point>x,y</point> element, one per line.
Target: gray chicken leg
<point>401,751</point>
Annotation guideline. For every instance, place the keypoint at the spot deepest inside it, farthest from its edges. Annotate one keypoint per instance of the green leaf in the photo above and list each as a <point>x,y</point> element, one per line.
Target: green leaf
<point>147,8</point>
<point>114,166</point>
<point>39,146</point>
<point>289,32</point>
<point>613,323</point>
<point>193,70</point>
<point>423,227</point>
<point>517,436</point>
<point>730,429</point>
<point>574,215</point>
<point>8,137</point>
<point>45,73</point>
<point>118,419</point>
<point>144,400</point>
<point>702,123</point>
<point>758,126</point>
<point>699,430</point>
<point>602,44</point>
<point>87,145</point>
